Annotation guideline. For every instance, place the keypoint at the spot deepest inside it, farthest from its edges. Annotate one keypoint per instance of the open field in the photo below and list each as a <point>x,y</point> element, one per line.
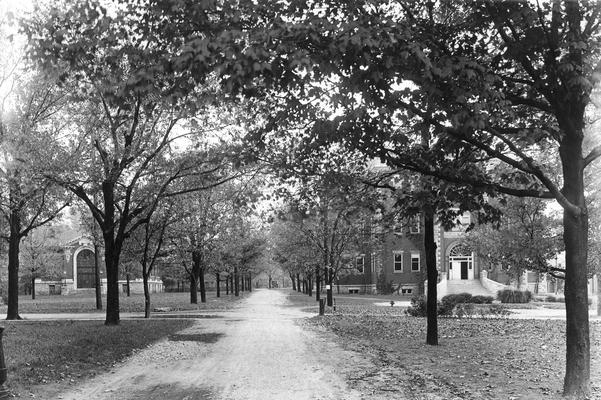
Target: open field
<point>52,355</point>
<point>476,358</point>
<point>179,301</point>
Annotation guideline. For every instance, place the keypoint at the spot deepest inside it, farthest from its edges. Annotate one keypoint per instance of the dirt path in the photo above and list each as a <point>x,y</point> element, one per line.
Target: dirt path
<point>256,352</point>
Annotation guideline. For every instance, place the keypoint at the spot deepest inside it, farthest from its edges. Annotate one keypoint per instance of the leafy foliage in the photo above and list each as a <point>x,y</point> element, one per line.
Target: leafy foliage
<point>514,296</point>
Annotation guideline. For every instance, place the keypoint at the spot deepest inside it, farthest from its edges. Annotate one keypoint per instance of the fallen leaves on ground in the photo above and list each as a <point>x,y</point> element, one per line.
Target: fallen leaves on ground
<point>475,359</point>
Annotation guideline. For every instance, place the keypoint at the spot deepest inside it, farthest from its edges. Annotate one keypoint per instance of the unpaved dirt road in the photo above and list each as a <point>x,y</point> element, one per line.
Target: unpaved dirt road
<point>256,352</point>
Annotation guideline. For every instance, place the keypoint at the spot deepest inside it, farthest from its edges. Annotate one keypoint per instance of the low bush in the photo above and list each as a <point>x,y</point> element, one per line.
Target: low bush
<point>482,299</point>
<point>448,303</point>
<point>464,310</point>
<point>498,310</point>
<point>417,307</point>
<point>514,296</point>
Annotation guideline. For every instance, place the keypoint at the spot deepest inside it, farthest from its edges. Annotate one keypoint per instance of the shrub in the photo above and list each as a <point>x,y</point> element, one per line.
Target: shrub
<point>417,307</point>
<point>449,302</point>
<point>498,310</point>
<point>514,296</point>
<point>464,310</point>
<point>551,299</point>
<point>482,299</point>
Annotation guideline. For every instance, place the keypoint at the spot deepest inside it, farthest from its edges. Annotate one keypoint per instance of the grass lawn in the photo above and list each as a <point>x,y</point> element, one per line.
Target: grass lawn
<point>44,357</point>
<point>476,358</point>
<point>135,303</point>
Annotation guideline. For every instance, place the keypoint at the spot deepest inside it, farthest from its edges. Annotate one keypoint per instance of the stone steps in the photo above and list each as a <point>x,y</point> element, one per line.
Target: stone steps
<point>474,287</point>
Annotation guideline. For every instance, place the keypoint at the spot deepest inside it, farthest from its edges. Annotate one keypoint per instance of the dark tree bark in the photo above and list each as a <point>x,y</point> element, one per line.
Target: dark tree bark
<point>97,283</point>
<point>218,284</point>
<point>236,282</point>
<point>146,295</point>
<point>293,282</point>
<point>127,278</point>
<point>250,282</point>
<point>577,377</point>
<point>193,289</point>
<point>112,253</point>
<point>317,283</point>
<point>432,273</point>
<point>33,288</point>
<point>227,285</point>
<point>310,286</point>
<point>329,282</point>
<point>14,242</point>
<point>298,283</point>
<point>269,283</point>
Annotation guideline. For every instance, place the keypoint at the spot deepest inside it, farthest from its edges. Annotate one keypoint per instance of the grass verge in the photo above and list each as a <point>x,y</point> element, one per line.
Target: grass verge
<point>476,358</point>
<point>86,303</point>
<point>46,357</point>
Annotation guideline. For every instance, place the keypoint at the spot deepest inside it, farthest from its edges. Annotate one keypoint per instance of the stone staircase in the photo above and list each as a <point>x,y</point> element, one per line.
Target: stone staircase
<point>472,286</point>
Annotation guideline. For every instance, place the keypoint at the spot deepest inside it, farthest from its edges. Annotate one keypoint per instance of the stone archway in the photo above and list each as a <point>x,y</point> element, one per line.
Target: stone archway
<point>84,264</point>
<point>461,262</point>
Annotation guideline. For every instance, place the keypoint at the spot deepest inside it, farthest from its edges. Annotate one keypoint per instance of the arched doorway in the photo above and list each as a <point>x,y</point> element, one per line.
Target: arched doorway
<point>85,269</point>
<point>461,262</point>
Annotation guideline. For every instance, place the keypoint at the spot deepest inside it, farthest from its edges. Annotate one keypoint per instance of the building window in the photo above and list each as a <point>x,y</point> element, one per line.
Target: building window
<point>406,290</point>
<point>415,266</point>
<point>414,224</point>
<point>360,263</point>
<point>398,261</point>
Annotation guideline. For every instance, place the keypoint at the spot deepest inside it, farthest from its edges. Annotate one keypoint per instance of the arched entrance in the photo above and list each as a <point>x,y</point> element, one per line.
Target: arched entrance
<point>85,269</point>
<point>461,263</point>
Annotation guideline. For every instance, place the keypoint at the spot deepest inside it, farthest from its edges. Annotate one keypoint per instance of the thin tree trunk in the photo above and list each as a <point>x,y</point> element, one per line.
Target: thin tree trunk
<point>329,282</point>
<point>32,288</point>
<point>293,282</point>
<point>298,283</point>
<point>97,278</point>
<point>146,295</point>
<point>317,283</point>
<point>218,284</point>
<point>203,289</point>
<point>227,285</point>
<point>127,278</point>
<point>250,282</point>
<point>432,273</point>
<point>310,285</point>
<point>236,282</point>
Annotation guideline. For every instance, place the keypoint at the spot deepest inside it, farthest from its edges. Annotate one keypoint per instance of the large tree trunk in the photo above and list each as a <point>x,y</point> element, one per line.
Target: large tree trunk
<point>193,289</point>
<point>432,273</point>
<point>14,242</point>
<point>293,282</point>
<point>112,252</point>
<point>111,256</point>
<point>97,285</point>
<point>575,225</point>
<point>218,284</point>
<point>298,283</point>
<point>250,282</point>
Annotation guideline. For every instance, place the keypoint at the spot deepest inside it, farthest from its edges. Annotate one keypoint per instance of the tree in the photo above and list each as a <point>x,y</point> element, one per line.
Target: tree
<point>129,109</point>
<point>29,200</point>
<point>41,256</point>
<point>526,239</point>
<point>507,81</point>
<point>145,247</point>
